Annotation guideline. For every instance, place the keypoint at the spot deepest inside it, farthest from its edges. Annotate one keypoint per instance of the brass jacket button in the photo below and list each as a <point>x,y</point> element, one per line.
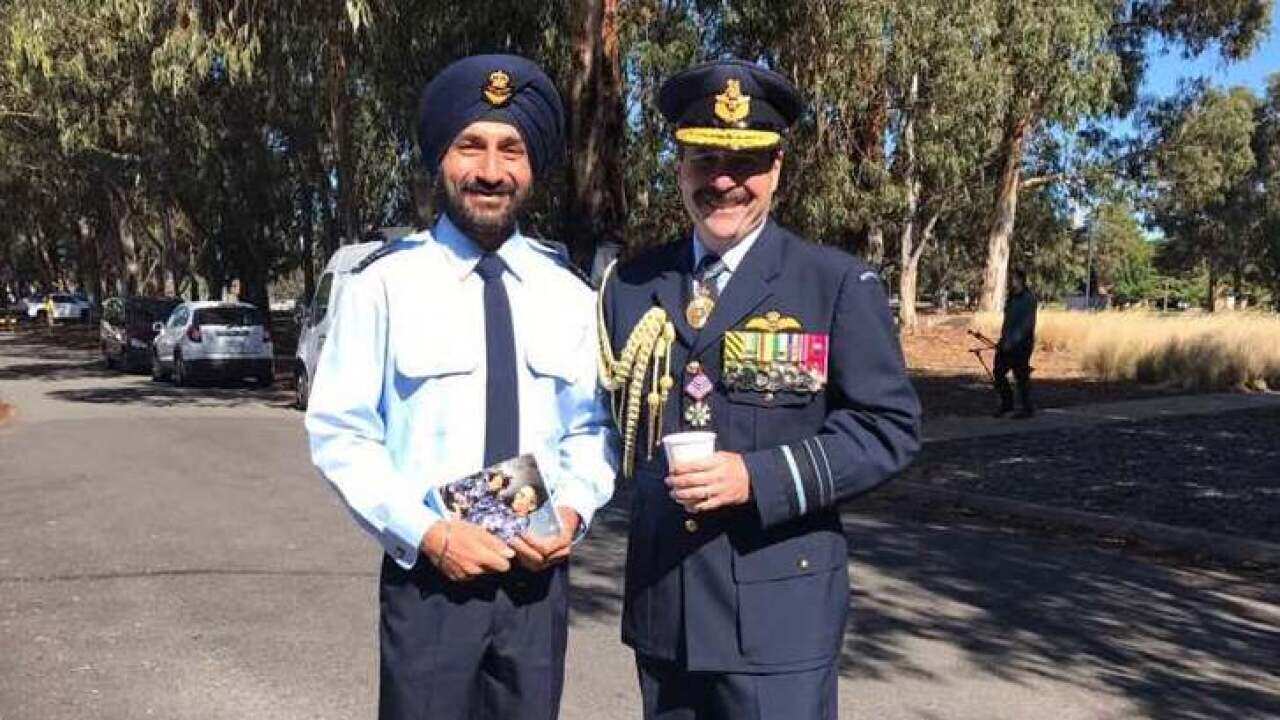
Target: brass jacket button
<point>691,525</point>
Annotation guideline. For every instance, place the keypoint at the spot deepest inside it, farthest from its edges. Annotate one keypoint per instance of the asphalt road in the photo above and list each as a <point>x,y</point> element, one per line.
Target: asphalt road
<point>171,554</point>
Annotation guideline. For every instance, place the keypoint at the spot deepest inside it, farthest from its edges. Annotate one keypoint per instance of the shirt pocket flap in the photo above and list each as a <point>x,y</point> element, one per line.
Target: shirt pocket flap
<point>558,354</point>
<point>436,355</point>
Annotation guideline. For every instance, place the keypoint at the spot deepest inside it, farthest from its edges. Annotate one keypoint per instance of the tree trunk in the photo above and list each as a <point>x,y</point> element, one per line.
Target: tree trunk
<point>874,254</point>
<point>89,263</point>
<point>908,276</point>
<point>909,283</point>
<point>1212,304</point>
<point>126,244</point>
<point>1005,211</point>
<point>172,268</point>
<point>597,203</point>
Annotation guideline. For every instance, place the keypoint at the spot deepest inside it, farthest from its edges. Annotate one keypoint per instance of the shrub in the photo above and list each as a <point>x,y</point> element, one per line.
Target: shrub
<point>1196,351</point>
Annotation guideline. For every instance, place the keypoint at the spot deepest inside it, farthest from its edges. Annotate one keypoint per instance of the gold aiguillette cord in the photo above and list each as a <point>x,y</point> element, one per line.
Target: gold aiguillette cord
<point>624,376</point>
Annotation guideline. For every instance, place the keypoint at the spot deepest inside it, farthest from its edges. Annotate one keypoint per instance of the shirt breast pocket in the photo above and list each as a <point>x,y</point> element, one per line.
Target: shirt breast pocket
<point>554,361</point>
<point>556,357</point>
<point>432,360</point>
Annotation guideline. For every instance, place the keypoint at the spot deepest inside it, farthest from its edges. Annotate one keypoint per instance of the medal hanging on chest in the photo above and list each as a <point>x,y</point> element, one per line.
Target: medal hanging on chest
<point>697,413</point>
<point>699,308</point>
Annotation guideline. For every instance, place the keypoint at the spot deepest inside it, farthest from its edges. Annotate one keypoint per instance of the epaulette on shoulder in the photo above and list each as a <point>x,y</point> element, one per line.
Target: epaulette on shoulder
<point>373,257</point>
<point>559,252</point>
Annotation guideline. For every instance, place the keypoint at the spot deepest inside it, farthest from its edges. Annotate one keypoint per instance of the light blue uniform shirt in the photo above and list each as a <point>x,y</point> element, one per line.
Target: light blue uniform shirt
<point>398,400</point>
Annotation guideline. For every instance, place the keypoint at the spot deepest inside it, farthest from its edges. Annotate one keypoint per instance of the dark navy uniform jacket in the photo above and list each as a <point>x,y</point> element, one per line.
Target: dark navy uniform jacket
<point>763,587</point>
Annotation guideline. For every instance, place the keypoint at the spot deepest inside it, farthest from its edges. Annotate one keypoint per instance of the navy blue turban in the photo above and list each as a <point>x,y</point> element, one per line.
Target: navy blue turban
<point>503,88</point>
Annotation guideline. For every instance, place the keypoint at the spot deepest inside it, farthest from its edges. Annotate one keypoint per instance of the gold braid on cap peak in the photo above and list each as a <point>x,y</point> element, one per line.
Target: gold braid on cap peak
<point>624,377</point>
<point>734,139</point>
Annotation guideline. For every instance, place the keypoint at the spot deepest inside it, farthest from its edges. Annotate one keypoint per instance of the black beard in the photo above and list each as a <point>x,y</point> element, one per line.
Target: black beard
<point>488,233</point>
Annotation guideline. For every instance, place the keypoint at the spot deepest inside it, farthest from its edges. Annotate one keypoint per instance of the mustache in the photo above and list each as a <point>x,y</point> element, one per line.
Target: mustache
<point>484,188</point>
<point>735,195</point>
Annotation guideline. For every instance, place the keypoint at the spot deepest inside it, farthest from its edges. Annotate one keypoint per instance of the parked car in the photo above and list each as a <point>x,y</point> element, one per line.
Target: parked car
<point>65,307</point>
<point>213,339</point>
<point>316,317</point>
<point>126,329</point>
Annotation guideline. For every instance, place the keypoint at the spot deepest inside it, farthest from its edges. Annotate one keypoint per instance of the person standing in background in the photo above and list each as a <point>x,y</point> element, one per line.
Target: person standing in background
<point>1017,343</point>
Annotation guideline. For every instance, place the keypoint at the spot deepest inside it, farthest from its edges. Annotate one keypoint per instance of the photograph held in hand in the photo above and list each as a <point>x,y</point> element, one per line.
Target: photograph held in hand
<point>508,499</point>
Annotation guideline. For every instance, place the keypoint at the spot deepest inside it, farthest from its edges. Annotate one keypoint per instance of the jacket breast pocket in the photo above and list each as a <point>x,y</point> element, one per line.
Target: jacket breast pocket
<point>792,599</point>
<point>780,398</point>
<point>763,419</point>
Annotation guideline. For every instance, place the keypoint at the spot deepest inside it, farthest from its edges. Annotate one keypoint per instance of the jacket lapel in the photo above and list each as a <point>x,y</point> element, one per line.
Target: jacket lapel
<point>749,286</point>
<point>669,289</point>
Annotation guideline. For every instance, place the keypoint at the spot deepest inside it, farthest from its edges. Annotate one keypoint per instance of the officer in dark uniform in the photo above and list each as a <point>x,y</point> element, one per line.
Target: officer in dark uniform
<point>736,580</point>
<point>1017,342</point>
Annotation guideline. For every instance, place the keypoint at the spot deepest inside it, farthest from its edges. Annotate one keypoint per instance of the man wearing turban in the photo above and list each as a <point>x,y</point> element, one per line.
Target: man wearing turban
<point>455,349</point>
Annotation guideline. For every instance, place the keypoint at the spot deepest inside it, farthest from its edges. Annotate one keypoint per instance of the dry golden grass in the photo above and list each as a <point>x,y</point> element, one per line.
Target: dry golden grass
<point>1196,351</point>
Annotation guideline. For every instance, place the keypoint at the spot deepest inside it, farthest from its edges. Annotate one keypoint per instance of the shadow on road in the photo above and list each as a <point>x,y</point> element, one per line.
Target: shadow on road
<point>1024,609</point>
<point>53,370</point>
<point>962,395</point>
<point>162,395</point>
<point>1180,650</point>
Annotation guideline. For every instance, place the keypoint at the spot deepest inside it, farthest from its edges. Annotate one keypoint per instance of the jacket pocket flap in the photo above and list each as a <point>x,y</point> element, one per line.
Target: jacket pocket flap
<point>803,555</point>
<point>779,398</point>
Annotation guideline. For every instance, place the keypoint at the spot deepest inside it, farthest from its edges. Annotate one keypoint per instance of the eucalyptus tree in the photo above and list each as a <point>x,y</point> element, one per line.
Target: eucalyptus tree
<point>658,38</point>
<point>1203,153</point>
<point>935,65</point>
<point>1067,60</point>
<point>1267,154</point>
<point>81,67</point>
<point>837,185</point>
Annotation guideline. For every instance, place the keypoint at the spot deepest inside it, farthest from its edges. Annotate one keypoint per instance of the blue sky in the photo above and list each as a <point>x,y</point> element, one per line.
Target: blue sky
<point>1165,71</point>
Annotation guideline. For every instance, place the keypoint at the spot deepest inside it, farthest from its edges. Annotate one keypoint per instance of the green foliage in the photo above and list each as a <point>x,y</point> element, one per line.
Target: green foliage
<point>1124,259</point>
<point>173,145</point>
<point>1046,248</point>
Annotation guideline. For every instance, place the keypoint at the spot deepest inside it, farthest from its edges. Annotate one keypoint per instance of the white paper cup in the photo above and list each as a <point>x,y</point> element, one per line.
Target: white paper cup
<point>688,446</point>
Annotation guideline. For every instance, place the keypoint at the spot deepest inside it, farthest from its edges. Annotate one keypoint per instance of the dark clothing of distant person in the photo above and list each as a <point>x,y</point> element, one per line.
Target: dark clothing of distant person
<point>1013,352</point>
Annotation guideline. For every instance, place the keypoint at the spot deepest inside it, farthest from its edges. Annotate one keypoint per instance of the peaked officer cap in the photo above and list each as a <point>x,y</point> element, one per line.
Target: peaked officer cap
<point>729,104</point>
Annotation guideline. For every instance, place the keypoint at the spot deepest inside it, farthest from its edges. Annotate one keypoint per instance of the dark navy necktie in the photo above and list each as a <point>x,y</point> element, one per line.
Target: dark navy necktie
<point>707,273</point>
<point>501,401</point>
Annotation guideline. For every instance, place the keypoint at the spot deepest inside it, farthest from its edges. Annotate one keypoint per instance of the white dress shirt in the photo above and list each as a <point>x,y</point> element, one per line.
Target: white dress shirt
<point>398,401</point>
<point>731,258</point>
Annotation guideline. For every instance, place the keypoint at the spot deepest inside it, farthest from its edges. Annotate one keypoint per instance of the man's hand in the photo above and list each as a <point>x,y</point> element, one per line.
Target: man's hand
<point>539,553</point>
<point>711,483</point>
<point>463,551</point>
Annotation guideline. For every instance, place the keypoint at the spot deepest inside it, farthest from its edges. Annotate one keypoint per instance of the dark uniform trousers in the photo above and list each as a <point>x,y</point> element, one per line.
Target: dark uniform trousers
<point>740,613</point>
<point>1017,360</point>
<point>490,649</point>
